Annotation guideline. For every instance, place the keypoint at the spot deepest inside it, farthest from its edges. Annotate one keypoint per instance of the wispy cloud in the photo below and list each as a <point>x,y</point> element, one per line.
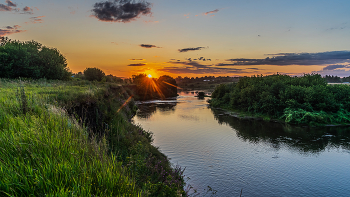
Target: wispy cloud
<point>11,6</point>
<point>11,30</point>
<point>190,49</point>
<point>121,10</point>
<point>194,67</point>
<point>286,59</point>
<point>140,64</point>
<point>150,21</point>
<point>148,46</point>
<point>211,12</point>
<point>37,19</point>
<point>199,59</point>
<point>137,59</point>
<point>336,66</point>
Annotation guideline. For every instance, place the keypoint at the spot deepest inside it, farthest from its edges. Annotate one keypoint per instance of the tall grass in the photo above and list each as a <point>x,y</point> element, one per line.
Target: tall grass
<point>74,139</point>
<point>44,152</point>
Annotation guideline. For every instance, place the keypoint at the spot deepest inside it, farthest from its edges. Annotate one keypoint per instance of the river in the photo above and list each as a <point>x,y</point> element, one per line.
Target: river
<point>260,158</point>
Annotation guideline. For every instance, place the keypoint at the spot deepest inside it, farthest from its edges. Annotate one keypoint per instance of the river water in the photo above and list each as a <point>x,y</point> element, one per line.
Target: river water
<point>259,158</point>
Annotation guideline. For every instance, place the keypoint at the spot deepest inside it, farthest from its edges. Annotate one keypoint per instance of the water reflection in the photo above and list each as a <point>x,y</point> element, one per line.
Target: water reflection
<point>304,140</point>
<point>146,109</point>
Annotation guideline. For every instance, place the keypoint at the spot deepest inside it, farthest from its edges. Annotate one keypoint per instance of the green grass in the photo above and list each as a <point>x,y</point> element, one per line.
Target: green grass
<point>47,149</point>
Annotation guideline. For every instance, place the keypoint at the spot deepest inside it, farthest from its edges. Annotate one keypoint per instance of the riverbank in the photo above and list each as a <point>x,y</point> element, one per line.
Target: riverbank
<point>75,138</point>
<point>306,100</point>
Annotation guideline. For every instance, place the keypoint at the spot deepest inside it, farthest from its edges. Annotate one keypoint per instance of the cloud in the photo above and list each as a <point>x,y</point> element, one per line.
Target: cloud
<point>196,68</point>
<point>37,19</point>
<point>150,21</point>
<point>190,49</point>
<point>137,59</point>
<point>120,10</point>
<point>148,46</point>
<point>335,72</point>
<point>141,64</point>
<point>192,64</point>
<point>10,3</point>
<point>286,59</point>
<point>27,10</point>
<point>189,70</point>
<point>10,30</point>
<point>5,7</point>
<point>211,12</point>
<point>336,66</point>
<point>200,59</point>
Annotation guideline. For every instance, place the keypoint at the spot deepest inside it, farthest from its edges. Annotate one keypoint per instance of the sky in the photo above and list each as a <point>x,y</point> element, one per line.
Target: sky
<point>188,37</point>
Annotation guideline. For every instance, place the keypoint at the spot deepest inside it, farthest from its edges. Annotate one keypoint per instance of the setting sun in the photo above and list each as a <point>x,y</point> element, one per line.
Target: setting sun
<point>149,76</point>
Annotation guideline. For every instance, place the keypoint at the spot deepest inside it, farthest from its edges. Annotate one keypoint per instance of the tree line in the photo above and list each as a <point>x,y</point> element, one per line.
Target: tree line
<point>307,99</point>
<point>31,59</point>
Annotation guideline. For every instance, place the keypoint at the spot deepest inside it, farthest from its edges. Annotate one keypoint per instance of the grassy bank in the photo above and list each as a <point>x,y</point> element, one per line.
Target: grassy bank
<point>74,139</point>
<point>298,100</point>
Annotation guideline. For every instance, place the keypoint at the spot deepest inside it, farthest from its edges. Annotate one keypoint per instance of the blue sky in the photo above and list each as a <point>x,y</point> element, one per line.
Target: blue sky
<point>316,33</point>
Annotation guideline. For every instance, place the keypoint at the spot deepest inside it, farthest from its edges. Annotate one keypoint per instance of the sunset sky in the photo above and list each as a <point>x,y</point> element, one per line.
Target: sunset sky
<point>188,37</point>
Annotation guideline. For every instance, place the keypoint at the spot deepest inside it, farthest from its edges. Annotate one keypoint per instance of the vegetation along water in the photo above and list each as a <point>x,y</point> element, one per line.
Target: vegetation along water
<point>71,137</point>
<point>298,100</point>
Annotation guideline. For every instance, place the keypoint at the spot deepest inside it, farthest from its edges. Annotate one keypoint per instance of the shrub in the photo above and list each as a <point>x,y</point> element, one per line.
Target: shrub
<point>92,74</point>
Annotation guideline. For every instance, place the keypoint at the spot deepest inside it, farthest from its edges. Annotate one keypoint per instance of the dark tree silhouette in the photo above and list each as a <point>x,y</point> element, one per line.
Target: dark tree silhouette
<point>92,74</point>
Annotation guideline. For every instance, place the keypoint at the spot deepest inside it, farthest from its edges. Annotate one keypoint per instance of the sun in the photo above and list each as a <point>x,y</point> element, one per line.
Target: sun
<point>149,76</point>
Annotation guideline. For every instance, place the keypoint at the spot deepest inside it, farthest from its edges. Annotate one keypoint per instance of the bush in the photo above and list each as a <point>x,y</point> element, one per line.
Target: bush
<point>92,74</point>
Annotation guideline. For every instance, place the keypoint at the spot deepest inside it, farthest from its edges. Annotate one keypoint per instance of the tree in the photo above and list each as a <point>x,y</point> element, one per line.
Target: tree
<point>31,59</point>
<point>92,74</point>
<point>167,85</point>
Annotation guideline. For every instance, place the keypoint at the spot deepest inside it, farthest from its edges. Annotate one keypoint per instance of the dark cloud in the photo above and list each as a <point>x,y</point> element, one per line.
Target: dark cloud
<point>336,66</point>
<point>121,10</point>
<point>148,46</point>
<point>286,59</point>
<point>10,30</point>
<point>196,68</point>
<point>5,7</point>
<point>190,49</point>
<point>10,3</point>
<point>192,64</point>
<point>190,70</point>
<point>211,12</point>
<point>141,64</point>
<point>27,9</point>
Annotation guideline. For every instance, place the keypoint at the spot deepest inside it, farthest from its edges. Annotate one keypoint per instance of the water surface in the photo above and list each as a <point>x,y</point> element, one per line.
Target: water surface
<point>263,159</point>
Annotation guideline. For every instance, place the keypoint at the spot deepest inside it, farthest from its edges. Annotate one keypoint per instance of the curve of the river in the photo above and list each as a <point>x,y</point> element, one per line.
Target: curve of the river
<point>262,159</point>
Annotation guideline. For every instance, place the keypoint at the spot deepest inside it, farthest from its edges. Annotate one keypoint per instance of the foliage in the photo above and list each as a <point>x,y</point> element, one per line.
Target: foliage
<point>92,74</point>
<point>167,85</point>
<point>74,138</point>
<point>31,59</point>
<point>306,99</point>
<point>150,88</point>
<point>44,152</point>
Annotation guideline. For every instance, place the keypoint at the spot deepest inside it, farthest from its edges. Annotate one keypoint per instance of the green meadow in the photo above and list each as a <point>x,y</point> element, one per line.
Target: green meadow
<point>74,138</point>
